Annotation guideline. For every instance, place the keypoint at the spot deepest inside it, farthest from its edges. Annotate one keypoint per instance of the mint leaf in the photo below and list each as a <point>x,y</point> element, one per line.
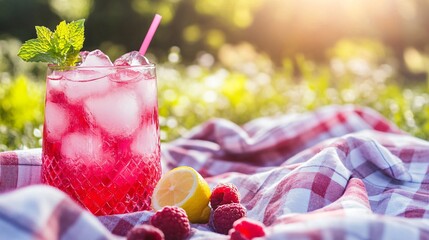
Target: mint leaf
<point>35,51</point>
<point>59,39</point>
<point>76,32</point>
<point>60,47</point>
<point>43,34</point>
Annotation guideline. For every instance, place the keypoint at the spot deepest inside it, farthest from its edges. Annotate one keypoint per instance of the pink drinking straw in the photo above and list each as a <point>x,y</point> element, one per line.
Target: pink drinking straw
<point>150,33</point>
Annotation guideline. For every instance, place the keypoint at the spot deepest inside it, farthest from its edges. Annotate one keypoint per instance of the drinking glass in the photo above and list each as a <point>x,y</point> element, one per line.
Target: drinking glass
<point>101,136</point>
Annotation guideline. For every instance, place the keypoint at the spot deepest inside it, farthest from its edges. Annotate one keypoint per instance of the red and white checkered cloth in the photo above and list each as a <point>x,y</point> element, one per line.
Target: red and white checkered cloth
<point>341,172</point>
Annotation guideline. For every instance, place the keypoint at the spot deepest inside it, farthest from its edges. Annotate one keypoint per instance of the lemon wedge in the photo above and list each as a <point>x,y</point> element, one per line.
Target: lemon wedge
<point>186,188</point>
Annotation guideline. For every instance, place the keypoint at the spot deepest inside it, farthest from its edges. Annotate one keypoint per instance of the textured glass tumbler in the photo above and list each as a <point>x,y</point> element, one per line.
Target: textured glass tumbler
<point>101,136</point>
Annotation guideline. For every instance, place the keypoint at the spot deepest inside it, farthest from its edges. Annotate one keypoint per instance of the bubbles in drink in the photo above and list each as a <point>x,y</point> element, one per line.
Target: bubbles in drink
<point>57,121</point>
<point>131,59</point>
<point>117,113</point>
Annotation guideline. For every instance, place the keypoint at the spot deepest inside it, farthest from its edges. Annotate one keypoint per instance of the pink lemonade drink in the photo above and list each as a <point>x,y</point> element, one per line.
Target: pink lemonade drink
<point>101,133</point>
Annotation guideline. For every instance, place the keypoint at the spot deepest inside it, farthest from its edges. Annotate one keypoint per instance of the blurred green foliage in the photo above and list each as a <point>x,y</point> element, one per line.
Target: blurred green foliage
<point>251,86</point>
<point>248,87</point>
<point>280,28</point>
<point>21,114</point>
<point>238,59</point>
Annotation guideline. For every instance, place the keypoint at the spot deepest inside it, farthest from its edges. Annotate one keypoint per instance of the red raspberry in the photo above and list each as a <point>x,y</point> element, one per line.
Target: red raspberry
<point>225,215</point>
<point>173,222</point>
<point>224,193</point>
<point>145,232</point>
<point>246,229</point>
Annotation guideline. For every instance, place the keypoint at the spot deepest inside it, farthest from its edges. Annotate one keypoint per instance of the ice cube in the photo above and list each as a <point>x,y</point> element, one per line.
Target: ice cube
<point>147,92</point>
<point>80,83</point>
<point>146,140</point>
<point>76,91</point>
<point>131,59</point>
<point>82,149</point>
<point>125,75</point>
<point>56,121</point>
<point>118,113</point>
<point>95,58</point>
<point>54,84</point>
<point>83,55</point>
<point>54,90</point>
<point>85,75</point>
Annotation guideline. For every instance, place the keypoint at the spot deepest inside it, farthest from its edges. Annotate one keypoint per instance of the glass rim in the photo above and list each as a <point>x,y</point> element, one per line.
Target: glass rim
<point>55,67</point>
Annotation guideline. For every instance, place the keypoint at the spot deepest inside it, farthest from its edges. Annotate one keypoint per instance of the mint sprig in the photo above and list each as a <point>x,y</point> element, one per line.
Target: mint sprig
<point>61,47</point>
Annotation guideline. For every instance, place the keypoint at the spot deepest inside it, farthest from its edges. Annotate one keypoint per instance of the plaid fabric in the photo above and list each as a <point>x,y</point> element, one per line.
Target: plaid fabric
<point>340,172</point>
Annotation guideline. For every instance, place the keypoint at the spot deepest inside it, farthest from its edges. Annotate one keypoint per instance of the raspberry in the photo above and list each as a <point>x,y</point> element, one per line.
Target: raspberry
<point>224,193</point>
<point>225,215</point>
<point>246,229</point>
<point>145,232</point>
<point>173,222</point>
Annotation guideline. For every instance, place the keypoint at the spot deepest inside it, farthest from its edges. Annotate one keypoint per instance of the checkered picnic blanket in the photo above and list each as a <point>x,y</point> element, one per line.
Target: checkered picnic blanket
<point>340,172</point>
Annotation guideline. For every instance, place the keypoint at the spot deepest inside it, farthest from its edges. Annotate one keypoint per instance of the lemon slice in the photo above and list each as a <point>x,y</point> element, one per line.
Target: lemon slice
<point>186,188</point>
